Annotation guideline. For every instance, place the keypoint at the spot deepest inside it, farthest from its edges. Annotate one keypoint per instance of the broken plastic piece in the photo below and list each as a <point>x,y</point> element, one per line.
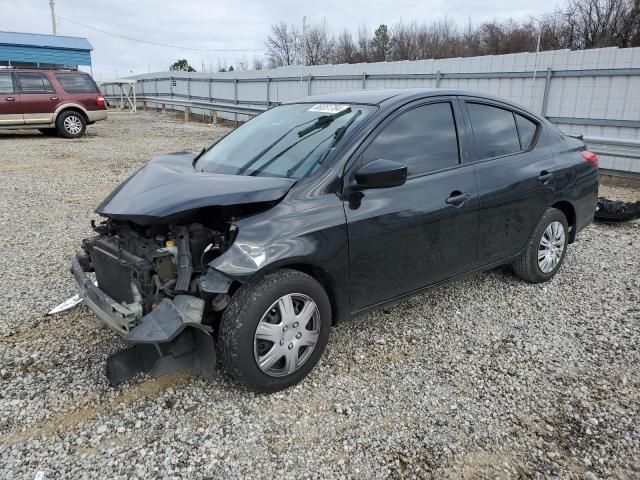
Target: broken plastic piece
<point>66,305</point>
<point>168,339</point>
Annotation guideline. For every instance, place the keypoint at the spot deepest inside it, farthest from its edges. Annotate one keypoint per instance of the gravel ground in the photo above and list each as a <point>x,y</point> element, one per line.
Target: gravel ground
<point>488,377</point>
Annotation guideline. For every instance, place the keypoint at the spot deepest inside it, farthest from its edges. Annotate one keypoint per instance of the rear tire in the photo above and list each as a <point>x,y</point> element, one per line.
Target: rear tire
<point>546,249</point>
<point>50,132</point>
<point>71,124</point>
<point>269,343</point>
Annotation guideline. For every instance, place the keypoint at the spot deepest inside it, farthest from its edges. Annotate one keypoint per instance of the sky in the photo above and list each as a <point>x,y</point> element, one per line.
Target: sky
<point>226,25</point>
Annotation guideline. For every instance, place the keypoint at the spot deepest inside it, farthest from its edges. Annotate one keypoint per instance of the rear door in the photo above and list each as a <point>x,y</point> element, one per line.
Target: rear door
<point>38,97</point>
<point>516,177</point>
<point>405,238</point>
<point>10,108</point>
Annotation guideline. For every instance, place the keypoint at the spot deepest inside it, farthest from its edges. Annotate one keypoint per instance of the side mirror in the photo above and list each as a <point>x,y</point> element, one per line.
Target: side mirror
<point>381,173</point>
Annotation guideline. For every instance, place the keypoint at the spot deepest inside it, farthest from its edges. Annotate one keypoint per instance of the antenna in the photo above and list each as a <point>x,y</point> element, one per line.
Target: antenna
<point>52,5</point>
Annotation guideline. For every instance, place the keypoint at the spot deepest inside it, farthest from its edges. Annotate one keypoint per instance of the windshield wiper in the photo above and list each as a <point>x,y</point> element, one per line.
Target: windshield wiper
<point>337,136</point>
<point>253,160</point>
<point>278,155</point>
<point>293,169</point>
<point>322,122</point>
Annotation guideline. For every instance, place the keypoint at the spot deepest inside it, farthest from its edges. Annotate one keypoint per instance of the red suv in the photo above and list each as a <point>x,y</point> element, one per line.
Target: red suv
<point>53,101</point>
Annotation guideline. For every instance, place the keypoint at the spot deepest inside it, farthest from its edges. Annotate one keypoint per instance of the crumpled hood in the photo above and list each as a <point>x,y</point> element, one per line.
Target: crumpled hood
<point>168,185</point>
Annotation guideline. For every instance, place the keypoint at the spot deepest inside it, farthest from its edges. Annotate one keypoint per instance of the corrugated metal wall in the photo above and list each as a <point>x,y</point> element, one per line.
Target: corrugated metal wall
<point>594,92</point>
<point>43,55</point>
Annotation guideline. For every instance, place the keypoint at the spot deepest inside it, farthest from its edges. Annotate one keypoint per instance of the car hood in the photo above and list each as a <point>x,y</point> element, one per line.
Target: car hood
<point>168,185</point>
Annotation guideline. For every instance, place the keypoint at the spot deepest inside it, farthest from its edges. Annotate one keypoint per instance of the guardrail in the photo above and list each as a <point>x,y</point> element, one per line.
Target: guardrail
<point>613,147</point>
<point>201,103</point>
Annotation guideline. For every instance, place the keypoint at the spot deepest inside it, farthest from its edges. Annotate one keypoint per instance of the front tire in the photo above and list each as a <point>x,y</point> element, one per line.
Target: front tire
<point>274,330</point>
<point>71,124</point>
<point>546,249</point>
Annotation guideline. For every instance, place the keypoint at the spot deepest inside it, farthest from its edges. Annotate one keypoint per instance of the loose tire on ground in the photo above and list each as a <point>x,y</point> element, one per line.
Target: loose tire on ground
<point>249,307</point>
<point>527,267</point>
<point>71,124</point>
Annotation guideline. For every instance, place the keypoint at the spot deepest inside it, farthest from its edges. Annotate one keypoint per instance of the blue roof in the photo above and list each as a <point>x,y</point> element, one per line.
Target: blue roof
<point>47,41</point>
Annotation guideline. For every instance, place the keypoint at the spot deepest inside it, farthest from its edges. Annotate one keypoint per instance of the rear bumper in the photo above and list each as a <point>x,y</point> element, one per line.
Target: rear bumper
<point>119,318</point>
<point>96,115</point>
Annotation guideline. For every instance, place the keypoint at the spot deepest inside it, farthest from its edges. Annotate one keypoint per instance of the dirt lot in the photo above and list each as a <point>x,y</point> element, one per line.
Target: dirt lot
<point>485,378</point>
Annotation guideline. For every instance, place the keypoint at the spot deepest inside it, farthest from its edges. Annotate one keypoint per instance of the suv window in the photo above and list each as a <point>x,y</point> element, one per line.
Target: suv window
<point>527,130</point>
<point>6,83</point>
<point>494,129</point>
<point>34,83</point>
<point>77,83</point>
<point>424,139</point>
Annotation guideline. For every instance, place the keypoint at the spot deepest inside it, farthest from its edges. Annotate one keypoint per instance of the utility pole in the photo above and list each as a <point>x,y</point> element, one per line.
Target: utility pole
<point>52,5</point>
<point>304,40</point>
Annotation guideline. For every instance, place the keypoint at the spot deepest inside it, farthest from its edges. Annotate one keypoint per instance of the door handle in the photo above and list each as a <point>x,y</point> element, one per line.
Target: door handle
<point>545,176</point>
<point>457,198</point>
<point>10,99</point>
<point>55,98</point>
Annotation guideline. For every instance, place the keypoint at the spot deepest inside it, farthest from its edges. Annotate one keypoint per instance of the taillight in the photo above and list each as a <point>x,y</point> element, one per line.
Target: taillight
<point>590,157</point>
<point>100,101</point>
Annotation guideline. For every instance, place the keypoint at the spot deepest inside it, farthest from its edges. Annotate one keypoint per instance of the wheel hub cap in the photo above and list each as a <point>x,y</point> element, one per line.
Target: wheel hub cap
<point>551,247</point>
<point>286,335</point>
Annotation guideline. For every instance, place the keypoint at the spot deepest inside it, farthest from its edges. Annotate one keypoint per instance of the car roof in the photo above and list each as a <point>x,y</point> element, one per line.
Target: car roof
<point>379,96</point>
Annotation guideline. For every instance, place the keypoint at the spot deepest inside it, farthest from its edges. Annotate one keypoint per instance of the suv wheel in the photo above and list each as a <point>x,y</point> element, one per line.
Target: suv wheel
<point>71,124</point>
<point>546,249</point>
<point>274,330</point>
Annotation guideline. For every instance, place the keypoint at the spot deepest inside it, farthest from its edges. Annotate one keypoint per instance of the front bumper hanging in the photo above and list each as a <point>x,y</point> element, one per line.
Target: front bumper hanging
<point>169,338</point>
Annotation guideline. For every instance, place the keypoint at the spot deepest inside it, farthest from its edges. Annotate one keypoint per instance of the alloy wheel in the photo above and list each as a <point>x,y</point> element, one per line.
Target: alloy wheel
<point>551,247</point>
<point>73,125</point>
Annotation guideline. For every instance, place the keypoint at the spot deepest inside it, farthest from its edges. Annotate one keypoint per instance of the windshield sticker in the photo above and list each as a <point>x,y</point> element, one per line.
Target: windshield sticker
<point>328,108</point>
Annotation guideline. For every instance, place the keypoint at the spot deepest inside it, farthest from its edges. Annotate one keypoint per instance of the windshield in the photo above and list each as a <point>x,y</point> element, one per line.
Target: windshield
<point>287,141</point>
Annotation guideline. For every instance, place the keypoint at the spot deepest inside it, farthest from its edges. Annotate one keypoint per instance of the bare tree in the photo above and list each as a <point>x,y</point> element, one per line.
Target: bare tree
<point>258,63</point>
<point>364,45</point>
<point>602,23</point>
<point>345,50</point>
<point>283,45</point>
<point>318,44</point>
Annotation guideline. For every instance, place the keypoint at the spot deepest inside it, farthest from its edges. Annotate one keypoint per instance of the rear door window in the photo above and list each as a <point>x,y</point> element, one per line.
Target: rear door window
<point>77,83</point>
<point>34,83</point>
<point>424,139</point>
<point>6,83</point>
<point>494,130</point>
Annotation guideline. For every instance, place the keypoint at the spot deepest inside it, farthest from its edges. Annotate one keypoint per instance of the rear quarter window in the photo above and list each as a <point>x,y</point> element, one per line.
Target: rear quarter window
<point>527,130</point>
<point>77,83</point>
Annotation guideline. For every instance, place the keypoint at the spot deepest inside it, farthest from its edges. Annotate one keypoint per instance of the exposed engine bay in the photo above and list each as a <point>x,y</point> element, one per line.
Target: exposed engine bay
<point>153,286</point>
<point>143,265</point>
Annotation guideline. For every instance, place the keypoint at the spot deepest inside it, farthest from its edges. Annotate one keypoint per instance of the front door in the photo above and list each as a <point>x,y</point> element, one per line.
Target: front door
<point>405,238</point>
<point>38,97</point>
<point>10,108</point>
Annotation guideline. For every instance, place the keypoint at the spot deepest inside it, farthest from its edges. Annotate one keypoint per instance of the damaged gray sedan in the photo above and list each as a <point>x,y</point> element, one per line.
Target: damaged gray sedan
<point>315,211</point>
